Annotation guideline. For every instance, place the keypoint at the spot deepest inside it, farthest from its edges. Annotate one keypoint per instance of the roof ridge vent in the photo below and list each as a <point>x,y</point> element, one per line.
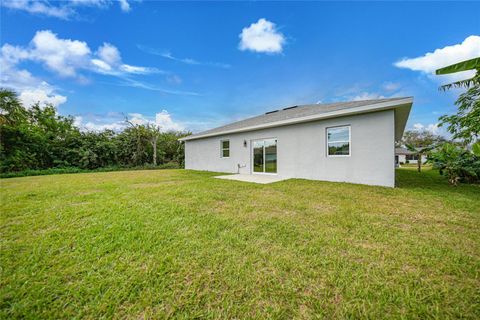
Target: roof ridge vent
<point>271,111</point>
<point>292,107</point>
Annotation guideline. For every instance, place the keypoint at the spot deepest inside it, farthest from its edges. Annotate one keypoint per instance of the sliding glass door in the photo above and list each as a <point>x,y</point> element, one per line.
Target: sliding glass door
<point>258,156</point>
<point>264,156</point>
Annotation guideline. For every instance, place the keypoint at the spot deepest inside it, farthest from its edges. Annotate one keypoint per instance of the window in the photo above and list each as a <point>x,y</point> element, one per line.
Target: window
<point>338,141</point>
<point>225,148</point>
<point>411,157</point>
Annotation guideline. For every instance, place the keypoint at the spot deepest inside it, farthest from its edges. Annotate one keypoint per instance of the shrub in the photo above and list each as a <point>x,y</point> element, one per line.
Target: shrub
<point>457,163</point>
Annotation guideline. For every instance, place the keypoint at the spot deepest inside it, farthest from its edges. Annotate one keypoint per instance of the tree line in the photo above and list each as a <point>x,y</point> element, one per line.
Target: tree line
<point>37,138</point>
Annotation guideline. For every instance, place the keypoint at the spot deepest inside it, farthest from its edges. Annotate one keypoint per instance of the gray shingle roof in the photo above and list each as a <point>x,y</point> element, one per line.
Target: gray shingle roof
<point>290,113</point>
<point>402,150</point>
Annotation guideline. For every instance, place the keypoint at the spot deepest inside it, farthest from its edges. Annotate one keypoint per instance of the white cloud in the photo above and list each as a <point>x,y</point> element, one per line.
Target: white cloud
<point>174,79</point>
<point>109,54</point>
<point>431,61</point>
<point>77,121</point>
<point>163,120</point>
<point>138,119</point>
<point>10,75</point>
<point>137,84</point>
<point>110,62</point>
<point>60,9</point>
<point>38,7</point>
<point>262,36</point>
<point>168,55</point>
<point>432,128</point>
<point>391,86</point>
<point>367,96</point>
<point>124,5</point>
<point>117,122</point>
<point>418,126</point>
<point>99,122</point>
<point>166,123</point>
<point>66,57</point>
<point>42,96</point>
<point>12,54</point>
<point>63,56</point>
<point>90,3</point>
<point>91,126</point>
<point>101,65</point>
<point>31,89</point>
<point>137,70</point>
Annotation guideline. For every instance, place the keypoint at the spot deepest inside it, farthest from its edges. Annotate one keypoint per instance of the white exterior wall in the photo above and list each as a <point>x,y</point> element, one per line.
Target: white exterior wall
<point>302,150</point>
<point>403,159</point>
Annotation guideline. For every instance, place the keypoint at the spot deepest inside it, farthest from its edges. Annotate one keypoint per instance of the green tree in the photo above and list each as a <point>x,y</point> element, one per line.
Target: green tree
<point>12,111</point>
<point>131,147</point>
<point>97,150</point>
<point>419,152</point>
<point>420,142</point>
<point>52,132</point>
<point>152,134</point>
<point>421,138</point>
<point>34,138</point>
<point>14,133</point>
<point>39,138</point>
<point>472,64</point>
<point>465,124</point>
<point>172,148</point>
<point>457,163</point>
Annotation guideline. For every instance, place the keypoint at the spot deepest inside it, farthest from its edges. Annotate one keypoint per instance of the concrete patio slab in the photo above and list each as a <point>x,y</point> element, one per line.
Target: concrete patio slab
<point>255,178</point>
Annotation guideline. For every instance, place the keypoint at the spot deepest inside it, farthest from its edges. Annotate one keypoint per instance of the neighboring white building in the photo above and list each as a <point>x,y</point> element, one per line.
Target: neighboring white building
<point>347,142</point>
<point>403,156</point>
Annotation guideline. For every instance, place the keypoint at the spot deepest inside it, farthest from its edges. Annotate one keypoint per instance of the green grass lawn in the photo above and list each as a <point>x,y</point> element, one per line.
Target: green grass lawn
<point>175,243</point>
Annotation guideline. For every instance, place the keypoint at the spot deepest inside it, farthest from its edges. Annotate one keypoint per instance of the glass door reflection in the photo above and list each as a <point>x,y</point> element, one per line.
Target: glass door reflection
<point>265,156</point>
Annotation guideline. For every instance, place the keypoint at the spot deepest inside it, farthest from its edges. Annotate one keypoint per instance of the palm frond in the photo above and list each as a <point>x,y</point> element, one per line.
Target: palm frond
<point>461,66</point>
<point>467,83</point>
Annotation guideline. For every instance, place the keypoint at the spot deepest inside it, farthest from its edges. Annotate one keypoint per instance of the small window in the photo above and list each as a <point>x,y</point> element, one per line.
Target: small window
<point>338,141</point>
<point>410,157</point>
<point>225,148</point>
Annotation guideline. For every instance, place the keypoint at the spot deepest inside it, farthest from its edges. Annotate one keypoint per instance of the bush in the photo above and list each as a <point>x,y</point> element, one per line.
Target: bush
<point>37,140</point>
<point>457,163</point>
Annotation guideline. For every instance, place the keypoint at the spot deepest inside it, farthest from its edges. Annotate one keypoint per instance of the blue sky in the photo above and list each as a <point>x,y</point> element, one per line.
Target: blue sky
<point>199,65</point>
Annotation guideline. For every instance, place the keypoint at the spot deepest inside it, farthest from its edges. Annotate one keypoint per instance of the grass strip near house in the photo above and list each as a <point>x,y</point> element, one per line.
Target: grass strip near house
<point>180,244</point>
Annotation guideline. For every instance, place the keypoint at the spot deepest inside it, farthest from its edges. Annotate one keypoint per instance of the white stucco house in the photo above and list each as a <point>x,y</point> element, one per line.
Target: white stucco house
<point>403,155</point>
<point>345,142</point>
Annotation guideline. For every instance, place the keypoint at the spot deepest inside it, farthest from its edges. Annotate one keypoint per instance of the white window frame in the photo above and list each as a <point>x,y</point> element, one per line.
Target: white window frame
<point>222,148</point>
<point>349,142</point>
